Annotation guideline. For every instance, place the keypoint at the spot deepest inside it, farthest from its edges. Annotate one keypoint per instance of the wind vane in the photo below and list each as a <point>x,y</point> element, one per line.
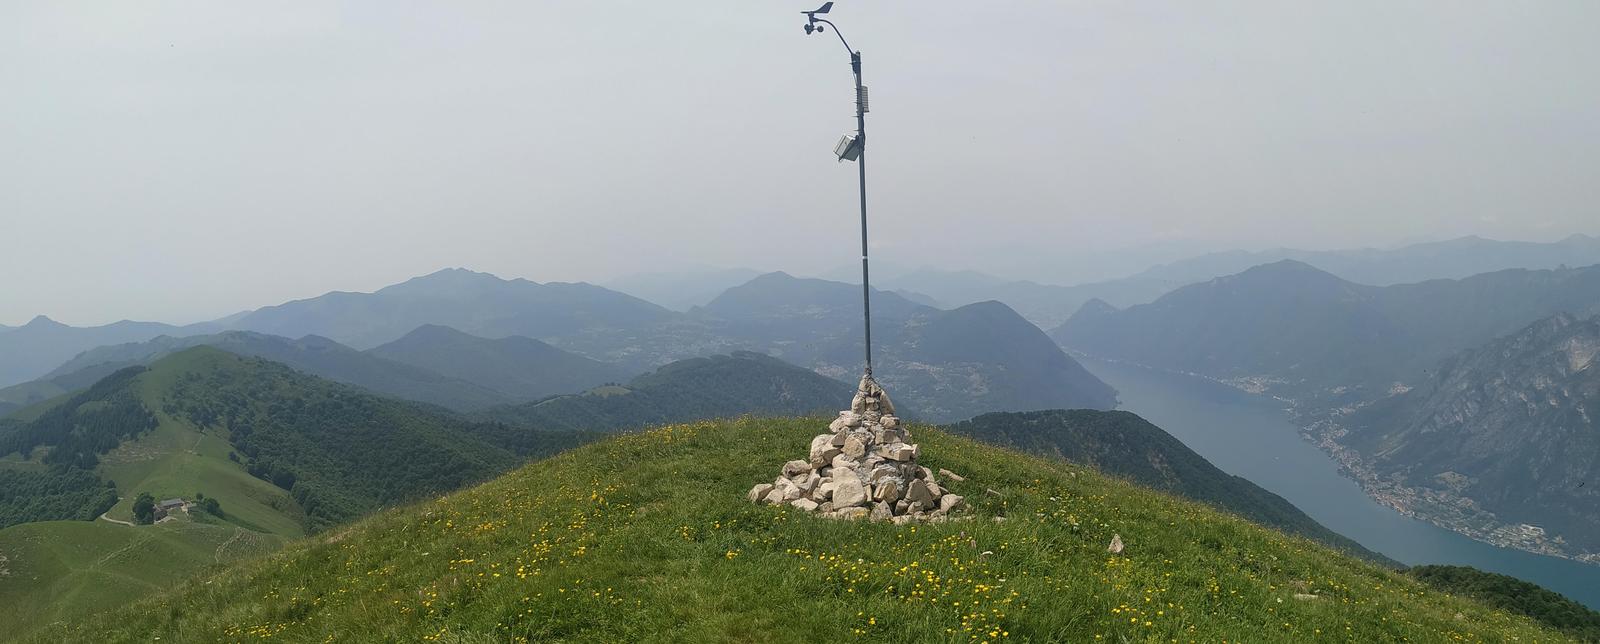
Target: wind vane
<point>853,148</point>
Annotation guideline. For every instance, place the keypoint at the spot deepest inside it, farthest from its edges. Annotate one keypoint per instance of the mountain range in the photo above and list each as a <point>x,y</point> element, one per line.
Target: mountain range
<point>942,365</point>
<point>475,303</point>
<point>722,386</point>
<point>521,368</point>
<point>1048,305</point>
<point>34,348</point>
<point>1497,436</point>
<point>314,355</point>
<point>1293,330</point>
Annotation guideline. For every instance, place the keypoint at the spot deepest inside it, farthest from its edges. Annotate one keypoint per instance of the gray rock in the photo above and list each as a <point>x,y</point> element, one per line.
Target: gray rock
<point>823,492</point>
<point>881,512</point>
<point>889,421</point>
<point>949,502</point>
<point>788,489</point>
<point>822,450</point>
<point>808,484</point>
<point>848,490</point>
<point>887,490</point>
<point>921,492</point>
<point>951,475</point>
<point>898,452</point>
<point>901,506</point>
<point>854,447</point>
<point>796,468</point>
<point>843,462</point>
<point>903,519</point>
<point>885,436</point>
<point>759,492</point>
<point>804,504</point>
<point>774,497</point>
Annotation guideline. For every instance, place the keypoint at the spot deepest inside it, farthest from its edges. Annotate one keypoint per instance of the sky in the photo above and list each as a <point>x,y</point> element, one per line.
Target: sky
<point>180,161</point>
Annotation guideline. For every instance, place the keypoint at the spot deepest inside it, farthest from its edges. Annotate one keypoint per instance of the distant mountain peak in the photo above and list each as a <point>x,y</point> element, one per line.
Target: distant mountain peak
<point>1095,306</point>
<point>43,322</point>
<point>448,278</point>
<point>1285,266</point>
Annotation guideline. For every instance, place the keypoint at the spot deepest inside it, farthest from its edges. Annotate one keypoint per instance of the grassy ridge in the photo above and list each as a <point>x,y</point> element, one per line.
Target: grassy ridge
<point>62,571</point>
<point>1123,444</point>
<point>648,537</point>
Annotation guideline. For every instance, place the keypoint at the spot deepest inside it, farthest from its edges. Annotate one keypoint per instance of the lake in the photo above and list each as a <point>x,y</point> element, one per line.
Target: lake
<point>1251,436</point>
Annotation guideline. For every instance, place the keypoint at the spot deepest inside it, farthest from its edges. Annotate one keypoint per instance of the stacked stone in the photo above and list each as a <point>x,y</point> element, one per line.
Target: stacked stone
<point>865,468</point>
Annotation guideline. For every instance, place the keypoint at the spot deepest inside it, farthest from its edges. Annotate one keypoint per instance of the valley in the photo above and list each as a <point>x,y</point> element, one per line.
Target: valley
<point>1253,436</point>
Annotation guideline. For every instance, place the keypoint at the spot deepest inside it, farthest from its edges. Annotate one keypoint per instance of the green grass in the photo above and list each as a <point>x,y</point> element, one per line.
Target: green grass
<point>649,537</point>
<point>179,460</point>
<point>62,571</point>
<point>176,460</point>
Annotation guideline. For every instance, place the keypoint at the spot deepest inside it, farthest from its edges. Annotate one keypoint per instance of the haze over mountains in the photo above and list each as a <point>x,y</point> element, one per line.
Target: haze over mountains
<point>1294,330</point>
<point>475,303</point>
<point>1049,305</point>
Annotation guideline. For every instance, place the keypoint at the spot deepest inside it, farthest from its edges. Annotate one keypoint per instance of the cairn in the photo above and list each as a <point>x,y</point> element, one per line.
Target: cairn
<point>864,468</point>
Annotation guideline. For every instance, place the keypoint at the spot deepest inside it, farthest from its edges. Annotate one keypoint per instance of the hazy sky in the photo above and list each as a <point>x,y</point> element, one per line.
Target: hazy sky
<point>183,160</point>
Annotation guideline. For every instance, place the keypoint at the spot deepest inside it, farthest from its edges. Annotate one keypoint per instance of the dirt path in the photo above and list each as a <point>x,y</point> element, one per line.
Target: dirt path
<point>103,516</point>
<point>143,537</point>
<point>237,533</point>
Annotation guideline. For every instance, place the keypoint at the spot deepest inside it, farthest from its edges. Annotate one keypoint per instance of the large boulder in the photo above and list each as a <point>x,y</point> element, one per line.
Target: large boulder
<point>822,450</point>
<point>848,489</point>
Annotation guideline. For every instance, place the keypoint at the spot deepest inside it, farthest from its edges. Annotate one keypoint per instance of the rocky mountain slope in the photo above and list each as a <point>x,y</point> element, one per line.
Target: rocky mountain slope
<point>1497,436</point>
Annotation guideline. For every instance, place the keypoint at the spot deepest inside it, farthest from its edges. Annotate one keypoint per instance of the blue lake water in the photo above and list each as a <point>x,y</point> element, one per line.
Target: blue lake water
<point>1251,436</point>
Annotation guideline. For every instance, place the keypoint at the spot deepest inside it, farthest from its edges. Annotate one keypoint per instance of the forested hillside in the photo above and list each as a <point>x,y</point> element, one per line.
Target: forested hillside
<point>714,387</point>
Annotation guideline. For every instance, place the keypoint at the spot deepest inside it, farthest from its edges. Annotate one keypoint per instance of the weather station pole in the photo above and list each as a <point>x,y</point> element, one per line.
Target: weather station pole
<point>853,149</point>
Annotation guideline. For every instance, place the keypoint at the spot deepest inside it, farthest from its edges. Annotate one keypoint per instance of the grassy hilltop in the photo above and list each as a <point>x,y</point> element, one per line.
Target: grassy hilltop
<point>648,537</point>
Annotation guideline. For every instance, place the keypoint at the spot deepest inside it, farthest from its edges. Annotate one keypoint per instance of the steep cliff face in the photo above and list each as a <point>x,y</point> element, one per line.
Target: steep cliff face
<point>1512,426</point>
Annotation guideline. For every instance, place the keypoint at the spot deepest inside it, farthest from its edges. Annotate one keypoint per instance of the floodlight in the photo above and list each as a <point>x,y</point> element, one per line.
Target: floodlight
<point>848,149</point>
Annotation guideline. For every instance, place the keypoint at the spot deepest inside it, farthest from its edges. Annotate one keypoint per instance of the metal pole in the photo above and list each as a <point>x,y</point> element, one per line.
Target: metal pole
<point>861,169</point>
